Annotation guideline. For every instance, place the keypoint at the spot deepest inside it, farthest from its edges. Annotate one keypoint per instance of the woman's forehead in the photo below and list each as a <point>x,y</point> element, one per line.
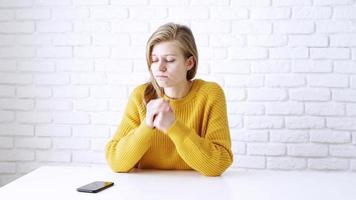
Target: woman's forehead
<point>166,48</point>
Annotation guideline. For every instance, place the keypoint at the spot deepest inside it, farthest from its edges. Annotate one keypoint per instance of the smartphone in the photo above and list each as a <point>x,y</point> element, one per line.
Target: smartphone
<point>95,187</point>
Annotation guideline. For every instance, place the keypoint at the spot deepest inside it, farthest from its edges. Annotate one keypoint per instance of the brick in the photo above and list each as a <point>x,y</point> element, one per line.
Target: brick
<point>71,143</point>
<point>312,13</point>
<point>341,123</point>
<point>353,165</point>
<point>288,53</point>
<point>16,129</point>
<point>33,117</point>
<point>16,104</point>
<point>304,122</point>
<point>53,2</point>
<point>70,92</point>
<point>209,2</point>
<point>98,144</point>
<point>293,27</point>
<point>52,79</point>
<point>291,3</point>
<point>91,105</point>
<point>16,155</point>
<point>329,136</point>
<point>91,26</point>
<point>109,65</point>
<point>224,40</point>
<point>53,156</point>
<point>109,92</point>
<point>343,40</point>
<point>343,151</point>
<point>330,53</point>
<point>255,162</point>
<point>311,66</point>
<point>239,3</point>
<point>309,94</point>
<point>325,109</point>
<point>285,81</point>
<point>90,2</point>
<point>50,105</point>
<point>71,118</point>
<point>266,149</point>
<point>55,52</point>
<point>332,2</point>
<point>233,94</point>
<point>129,26</point>
<point>6,143</point>
<point>247,53</point>
<point>36,66</point>
<point>126,79</point>
<point>238,147</point>
<point>129,3</point>
<point>88,79</point>
<point>7,91</point>
<point>307,150</point>
<point>72,39</point>
<point>88,157</point>
<point>7,116</point>
<point>53,27</point>
<point>33,143</point>
<point>53,130</point>
<point>263,122</point>
<point>117,105</point>
<point>91,52</point>
<point>284,108</point>
<point>147,13</point>
<point>353,81</point>
<point>345,67</point>
<point>27,167</point>
<point>15,4</point>
<point>7,40</point>
<point>246,108</point>
<point>33,92</point>
<point>271,66</point>
<point>67,13</point>
<point>168,2</point>
<point>344,95</point>
<point>251,27</point>
<point>344,12</point>
<point>244,80</point>
<point>111,39</point>
<point>270,13</point>
<point>230,67</point>
<point>128,53</point>
<point>328,164</point>
<point>33,14</point>
<point>17,52</point>
<point>308,41</point>
<point>213,26</point>
<point>286,163</point>
<point>267,40</point>
<point>109,12</point>
<point>7,15</point>
<point>106,118</point>
<point>351,109</point>
<point>328,80</point>
<point>33,39</point>
<point>289,136</point>
<point>91,131</point>
<point>354,137</point>
<point>334,26</point>
<point>11,78</point>
<point>75,65</point>
<point>266,94</point>
<point>224,13</point>
<point>7,167</point>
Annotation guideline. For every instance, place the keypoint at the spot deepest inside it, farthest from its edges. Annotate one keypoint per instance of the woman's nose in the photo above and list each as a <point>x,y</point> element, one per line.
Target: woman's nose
<point>162,66</point>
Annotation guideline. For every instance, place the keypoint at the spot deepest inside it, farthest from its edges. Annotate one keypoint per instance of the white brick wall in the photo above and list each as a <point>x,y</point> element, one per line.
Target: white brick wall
<point>287,67</point>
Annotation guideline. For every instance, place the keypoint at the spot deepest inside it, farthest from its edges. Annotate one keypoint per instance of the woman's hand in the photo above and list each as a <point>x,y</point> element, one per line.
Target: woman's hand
<point>159,114</point>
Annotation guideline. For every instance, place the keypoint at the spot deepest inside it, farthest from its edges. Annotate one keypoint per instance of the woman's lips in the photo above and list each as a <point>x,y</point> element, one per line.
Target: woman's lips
<point>161,77</point>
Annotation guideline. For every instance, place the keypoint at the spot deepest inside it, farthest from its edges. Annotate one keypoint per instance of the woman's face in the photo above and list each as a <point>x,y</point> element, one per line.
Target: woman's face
<point>169,67</point>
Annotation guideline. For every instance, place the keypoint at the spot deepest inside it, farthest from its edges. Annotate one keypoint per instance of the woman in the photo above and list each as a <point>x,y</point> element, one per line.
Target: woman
<point>173,122</point>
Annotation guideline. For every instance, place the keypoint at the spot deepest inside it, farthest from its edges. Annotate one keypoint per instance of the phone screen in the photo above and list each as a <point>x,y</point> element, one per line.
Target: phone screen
<point>95,187</point>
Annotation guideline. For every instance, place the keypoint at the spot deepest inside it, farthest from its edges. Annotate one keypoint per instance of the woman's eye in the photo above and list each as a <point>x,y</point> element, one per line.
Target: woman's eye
<point>170,60</point>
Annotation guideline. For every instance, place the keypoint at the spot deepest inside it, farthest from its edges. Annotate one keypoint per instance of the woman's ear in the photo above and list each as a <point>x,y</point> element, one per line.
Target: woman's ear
<point>190,63</point>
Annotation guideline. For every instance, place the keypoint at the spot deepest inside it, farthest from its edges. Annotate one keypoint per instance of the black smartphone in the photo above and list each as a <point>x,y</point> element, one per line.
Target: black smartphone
<point>95,186</point>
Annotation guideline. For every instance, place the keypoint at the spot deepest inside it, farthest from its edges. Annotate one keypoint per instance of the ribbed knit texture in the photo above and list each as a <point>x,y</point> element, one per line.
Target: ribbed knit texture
<point>199,139</point>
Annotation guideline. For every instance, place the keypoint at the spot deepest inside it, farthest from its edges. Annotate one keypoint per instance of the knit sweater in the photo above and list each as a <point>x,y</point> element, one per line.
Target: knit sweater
<point>198,139</point>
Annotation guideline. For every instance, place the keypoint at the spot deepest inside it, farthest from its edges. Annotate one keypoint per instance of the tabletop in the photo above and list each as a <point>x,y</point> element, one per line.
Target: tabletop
<point>60,182</point>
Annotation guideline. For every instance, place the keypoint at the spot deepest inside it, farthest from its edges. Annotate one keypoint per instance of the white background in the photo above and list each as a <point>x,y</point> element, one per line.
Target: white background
<point>288,68</point>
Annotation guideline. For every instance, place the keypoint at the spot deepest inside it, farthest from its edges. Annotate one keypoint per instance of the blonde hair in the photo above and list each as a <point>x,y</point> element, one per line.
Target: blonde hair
<point>183,36</point>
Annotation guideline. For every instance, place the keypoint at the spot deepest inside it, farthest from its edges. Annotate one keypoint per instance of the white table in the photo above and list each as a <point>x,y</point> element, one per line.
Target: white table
<point>52,183</point>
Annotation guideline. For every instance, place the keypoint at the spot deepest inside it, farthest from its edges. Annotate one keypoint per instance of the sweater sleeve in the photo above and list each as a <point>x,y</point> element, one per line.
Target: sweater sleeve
<point>131,140</point>
<point>210,154</point>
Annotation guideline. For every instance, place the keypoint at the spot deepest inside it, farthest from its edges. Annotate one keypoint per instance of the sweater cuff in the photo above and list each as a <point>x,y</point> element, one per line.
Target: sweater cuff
<point>178,132</point>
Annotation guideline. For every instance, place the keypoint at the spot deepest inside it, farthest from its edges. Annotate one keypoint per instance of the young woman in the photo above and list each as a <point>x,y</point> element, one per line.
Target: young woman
<point>174,121</point>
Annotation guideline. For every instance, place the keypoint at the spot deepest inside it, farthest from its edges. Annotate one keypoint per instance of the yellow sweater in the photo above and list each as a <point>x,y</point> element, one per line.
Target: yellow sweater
<point>199,139</point>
